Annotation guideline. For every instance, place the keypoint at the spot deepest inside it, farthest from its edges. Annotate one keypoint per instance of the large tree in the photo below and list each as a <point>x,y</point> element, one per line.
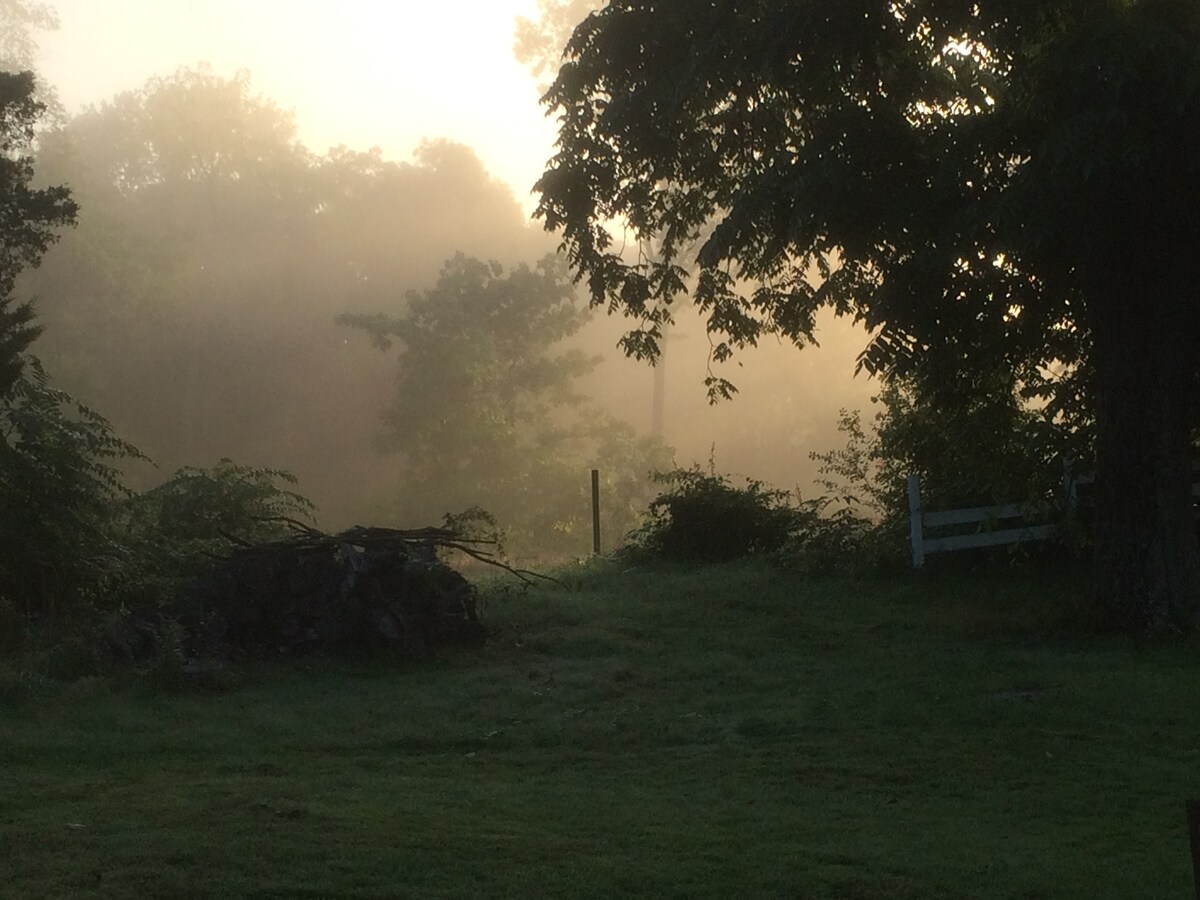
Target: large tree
<point>984,183</point>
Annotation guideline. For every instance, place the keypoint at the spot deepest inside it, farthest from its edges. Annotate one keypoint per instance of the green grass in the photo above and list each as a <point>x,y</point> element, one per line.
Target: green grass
<point>727,732</point>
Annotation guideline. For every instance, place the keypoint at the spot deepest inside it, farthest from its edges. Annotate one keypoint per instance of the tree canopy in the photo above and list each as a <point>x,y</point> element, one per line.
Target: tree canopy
<point>987,184</point>
<point>538,42</point>
<point>19,20</point>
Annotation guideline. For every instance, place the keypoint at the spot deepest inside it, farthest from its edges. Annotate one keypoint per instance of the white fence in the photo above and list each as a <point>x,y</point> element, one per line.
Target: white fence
<point>988,519</point>
<point>989,516</point>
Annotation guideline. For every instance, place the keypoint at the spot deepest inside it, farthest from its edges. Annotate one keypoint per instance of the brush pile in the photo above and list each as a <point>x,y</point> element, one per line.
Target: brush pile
<point>365,588</point>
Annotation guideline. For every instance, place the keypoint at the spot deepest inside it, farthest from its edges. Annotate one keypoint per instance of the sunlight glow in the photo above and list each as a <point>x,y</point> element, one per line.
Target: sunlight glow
<point>355,72</point>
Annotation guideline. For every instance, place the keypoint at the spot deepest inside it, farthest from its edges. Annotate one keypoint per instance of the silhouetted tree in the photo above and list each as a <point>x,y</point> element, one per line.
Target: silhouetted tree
<point>984,184</point>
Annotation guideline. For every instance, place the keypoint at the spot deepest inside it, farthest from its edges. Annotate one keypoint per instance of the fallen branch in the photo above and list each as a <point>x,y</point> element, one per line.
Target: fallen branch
<point>308,539</point>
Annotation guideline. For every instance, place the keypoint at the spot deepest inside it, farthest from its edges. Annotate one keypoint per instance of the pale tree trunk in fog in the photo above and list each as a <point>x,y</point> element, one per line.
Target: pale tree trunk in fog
<point>658,409</point>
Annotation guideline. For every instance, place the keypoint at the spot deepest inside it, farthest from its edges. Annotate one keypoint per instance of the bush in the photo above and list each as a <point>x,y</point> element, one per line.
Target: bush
<point>973,450</point>
<point>968,451</point>
<point>58,491</point>
<point>844,543</point>
<point>703,517</point>
<point>175,529</point>
<point>91,575</point>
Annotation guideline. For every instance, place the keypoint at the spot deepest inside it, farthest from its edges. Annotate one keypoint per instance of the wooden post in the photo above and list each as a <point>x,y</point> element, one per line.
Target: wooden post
<point>596,511</point>
<point>916,529</point>
<point>1193,820</point>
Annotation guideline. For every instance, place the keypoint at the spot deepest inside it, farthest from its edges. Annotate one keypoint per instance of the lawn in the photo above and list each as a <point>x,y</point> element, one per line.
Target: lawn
<point>725,732</point>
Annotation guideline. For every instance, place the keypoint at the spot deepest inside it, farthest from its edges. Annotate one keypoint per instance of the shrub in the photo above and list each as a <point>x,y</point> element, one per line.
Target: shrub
<point>227,502</point>
<point>979,450</point>
<point>58,490</point>
<point>175,529</point>
<point>91,575</point>
<point>703,517</point>
<point>968,451</point>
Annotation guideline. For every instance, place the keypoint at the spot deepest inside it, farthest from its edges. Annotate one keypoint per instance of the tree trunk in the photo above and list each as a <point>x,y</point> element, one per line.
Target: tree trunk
<point>1147,554</point>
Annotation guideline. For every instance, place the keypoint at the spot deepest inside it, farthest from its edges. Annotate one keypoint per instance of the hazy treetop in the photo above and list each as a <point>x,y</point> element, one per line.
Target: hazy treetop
<point>538,43</point>
<point>19,22</point>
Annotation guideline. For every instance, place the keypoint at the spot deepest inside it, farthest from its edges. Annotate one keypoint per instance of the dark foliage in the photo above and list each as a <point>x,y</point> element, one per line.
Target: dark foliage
<point>989,450</point>
<point>177,526</point>
<point>59,490</point>
<point>993,452</point>
<point>17,332</point>
<point>363,589</point>
<point>212,567</point>
<point>88,563</point>
<point>703,517</point>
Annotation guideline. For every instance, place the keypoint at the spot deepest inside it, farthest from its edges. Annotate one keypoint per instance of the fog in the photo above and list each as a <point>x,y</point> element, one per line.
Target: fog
<point>195,303</point>
<point>786,405</point>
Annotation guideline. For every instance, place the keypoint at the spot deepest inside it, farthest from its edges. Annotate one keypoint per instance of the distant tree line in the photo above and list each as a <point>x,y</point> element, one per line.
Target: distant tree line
<point>196,301</point>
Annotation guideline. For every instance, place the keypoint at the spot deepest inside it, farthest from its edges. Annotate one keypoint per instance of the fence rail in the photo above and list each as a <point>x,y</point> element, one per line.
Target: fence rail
<point>919,520</point>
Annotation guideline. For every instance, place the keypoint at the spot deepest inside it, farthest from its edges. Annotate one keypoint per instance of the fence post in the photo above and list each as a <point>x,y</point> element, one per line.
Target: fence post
<point>916,529</point>
<point>596,511</point>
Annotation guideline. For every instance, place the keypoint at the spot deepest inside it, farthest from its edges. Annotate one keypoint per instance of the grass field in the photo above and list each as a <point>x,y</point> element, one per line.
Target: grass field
<point>733,732</point>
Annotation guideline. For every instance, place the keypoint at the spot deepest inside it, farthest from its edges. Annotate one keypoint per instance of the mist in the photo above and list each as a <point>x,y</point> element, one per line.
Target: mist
<point>196,306</point>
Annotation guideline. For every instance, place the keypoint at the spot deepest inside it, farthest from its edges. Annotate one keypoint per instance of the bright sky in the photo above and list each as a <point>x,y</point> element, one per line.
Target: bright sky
<point>355,72</point>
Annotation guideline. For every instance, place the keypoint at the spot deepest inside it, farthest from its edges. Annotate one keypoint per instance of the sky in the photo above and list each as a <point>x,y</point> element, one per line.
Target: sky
<point>362,73</point>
